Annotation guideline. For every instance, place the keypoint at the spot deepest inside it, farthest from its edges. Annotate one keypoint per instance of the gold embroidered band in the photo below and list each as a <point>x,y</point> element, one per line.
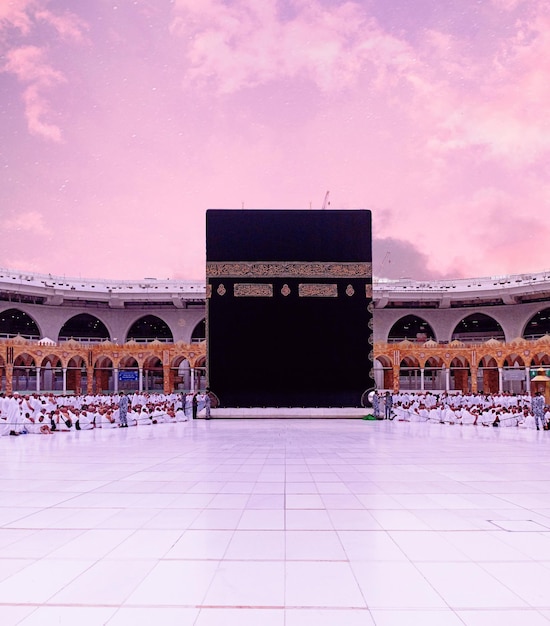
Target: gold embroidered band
<point>287,269</point>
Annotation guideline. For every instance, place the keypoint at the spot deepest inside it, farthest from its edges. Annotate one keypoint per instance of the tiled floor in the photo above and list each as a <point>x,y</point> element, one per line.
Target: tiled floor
<point>276,523</point>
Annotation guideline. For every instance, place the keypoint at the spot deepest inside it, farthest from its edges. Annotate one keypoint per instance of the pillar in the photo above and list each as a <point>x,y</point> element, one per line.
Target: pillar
<point>500,379</point>
<point>140,379</point>
<point>447,371</point>
<point>473,371</point>
<point>64,377</point>
<point>192,380</point>
<point>166,379</point>
<point>396,369</point>
<point>38,368</point>
<point>89,380</point>
<point>9,378</point>
<point>421,379</point>
<point>115,379</point>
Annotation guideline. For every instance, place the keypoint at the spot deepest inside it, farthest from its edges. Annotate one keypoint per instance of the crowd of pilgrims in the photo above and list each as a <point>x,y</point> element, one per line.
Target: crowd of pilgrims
<point>45,414</point>
<point>498,409</point>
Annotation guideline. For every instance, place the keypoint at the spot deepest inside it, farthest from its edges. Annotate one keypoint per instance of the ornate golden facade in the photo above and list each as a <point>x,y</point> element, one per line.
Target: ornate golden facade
<point>469,363</point>
<point>94,363</point>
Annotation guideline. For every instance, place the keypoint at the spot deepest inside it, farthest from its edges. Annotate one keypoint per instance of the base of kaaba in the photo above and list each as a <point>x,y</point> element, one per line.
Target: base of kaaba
<point>288,413</point>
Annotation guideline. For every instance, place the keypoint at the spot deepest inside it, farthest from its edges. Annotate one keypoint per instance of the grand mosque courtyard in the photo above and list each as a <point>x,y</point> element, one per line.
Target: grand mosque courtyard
<point>276,523</point>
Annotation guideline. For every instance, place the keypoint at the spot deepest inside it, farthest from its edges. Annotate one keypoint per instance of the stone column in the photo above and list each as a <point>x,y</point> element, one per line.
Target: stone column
<point>422,379</point>
<point>9,378</point>
<point>89,380</point>
<point>140,379</point>
<point>115,379</point>
<point>38,368</point>
<point>500,379</point>
<point>192,380</point>
<point>473,374</point>
<point>166,379</point>
<point>396,370</point>
<point>447,371</point>
<point>64,377</point>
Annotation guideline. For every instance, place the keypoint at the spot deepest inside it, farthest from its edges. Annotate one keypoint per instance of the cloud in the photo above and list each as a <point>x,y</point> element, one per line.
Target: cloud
<point>68,25</point>
<point>395,258</point>
<point>29,65</point>
<point>28,62</point>
<point>246,44</point>
<point>497,103</point>
<point>15,14</point>
<point>31,222</point>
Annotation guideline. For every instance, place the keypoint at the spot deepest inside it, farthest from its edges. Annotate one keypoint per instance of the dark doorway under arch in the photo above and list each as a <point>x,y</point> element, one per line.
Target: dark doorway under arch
<point>411,327</point>
<point>538,325</point>
<point>199,332</point>
<point>84,326</point>
<point>149,328</point>
<point>15,322</point>
<point>478,327</point>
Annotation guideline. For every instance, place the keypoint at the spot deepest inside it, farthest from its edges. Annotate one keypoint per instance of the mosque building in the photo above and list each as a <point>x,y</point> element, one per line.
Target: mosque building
<point>70,335</point>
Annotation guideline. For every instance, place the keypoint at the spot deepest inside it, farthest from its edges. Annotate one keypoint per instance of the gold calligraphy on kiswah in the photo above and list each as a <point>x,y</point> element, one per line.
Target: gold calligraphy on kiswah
<point>314,290</point>
<point>254,290</point>
<point>287,269</point>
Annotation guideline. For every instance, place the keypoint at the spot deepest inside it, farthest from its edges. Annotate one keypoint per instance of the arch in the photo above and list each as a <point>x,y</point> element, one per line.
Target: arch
<point>409,374</point>
<point>51,373</point>
<point>153,374</point>
<point>149,328</point>
<point>15,322</point>
<point>383,372</point>
<point>488,375</point>
<point>434,374</point>
<point>460,375</point>
<point>51,359</point>
<point>541,358</point>
<point>84,327</point>
<point>103,376</point>
<point>180,374</point>
<point>200,374</point>
<point>514,360</point>
<point>478,327</point>
<point>514,374</point>
<point>538,325</point>
<point>24,373</point>
<point>411,327</point>
<point>199,332</point>
<point>128,374</point>
<point>77,376</point>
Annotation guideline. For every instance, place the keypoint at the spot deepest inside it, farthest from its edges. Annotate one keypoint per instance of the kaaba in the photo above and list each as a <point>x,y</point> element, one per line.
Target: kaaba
<point>289,307</point>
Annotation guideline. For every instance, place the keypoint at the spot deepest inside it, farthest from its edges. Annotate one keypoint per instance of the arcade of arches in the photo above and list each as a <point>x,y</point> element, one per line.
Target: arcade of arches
<point>80,367</point>
<point>489,367</point>
<point>102,367</point>
<point>85,360</point>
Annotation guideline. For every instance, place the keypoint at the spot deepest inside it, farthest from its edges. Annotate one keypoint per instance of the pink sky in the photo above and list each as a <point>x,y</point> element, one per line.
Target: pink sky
<point>121,123</point>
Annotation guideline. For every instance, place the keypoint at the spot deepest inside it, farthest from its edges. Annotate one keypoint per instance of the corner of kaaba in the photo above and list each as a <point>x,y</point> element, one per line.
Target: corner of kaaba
<point>289,307</point>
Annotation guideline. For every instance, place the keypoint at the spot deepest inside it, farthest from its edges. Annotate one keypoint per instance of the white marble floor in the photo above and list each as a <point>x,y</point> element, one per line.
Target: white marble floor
<point>276,523</point>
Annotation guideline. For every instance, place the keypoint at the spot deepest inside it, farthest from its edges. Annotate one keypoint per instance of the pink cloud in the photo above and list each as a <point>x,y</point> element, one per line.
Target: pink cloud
<point>29,65</point>
<point>505,114</point>
<point>247,44</point>
<point>30,221</point>
<point>15,14</point>
<point>68,26</point>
